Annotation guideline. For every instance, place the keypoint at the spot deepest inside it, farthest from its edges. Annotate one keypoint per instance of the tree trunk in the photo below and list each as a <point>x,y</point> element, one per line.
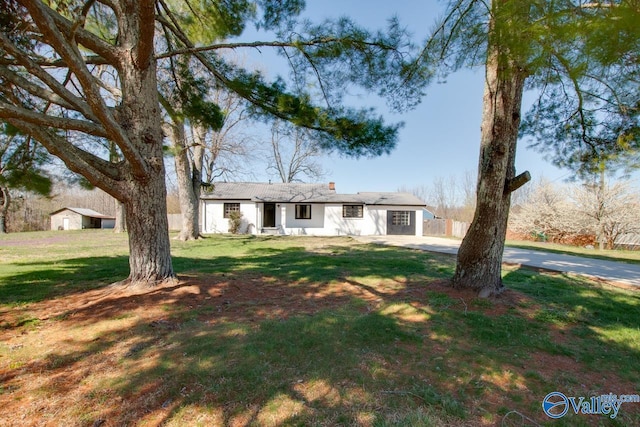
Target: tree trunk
<point>479,263</point>
<point>143,189</point>
<point>601,209</point>
<point>189,200</point>
<point>121,221</point>
<point>4,209</point>
<point>148,226</point>
<point>199,144</point>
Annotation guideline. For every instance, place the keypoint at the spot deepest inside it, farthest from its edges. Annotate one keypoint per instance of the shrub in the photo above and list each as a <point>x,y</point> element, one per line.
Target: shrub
<point>235,221</point>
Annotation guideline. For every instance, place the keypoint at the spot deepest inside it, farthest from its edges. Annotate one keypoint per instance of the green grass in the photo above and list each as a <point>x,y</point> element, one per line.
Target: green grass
<point>305,331</point>
<point>631,257</point>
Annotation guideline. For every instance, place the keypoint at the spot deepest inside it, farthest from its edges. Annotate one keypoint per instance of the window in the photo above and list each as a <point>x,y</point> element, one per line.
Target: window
<point>231,207</point>
<point>303,211</point>
<point>400,218</point>
<point>352,211</point>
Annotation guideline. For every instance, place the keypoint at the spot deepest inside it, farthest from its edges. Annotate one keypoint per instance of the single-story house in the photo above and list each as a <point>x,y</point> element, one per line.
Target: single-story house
<point>309,209</point>
<point>80,218</point>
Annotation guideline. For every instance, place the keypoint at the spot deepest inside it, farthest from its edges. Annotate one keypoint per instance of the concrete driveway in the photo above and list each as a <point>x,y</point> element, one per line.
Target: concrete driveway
<point>607,270</point>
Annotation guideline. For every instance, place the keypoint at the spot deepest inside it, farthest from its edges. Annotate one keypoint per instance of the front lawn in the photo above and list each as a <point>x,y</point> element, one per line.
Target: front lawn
<point>298,331</point>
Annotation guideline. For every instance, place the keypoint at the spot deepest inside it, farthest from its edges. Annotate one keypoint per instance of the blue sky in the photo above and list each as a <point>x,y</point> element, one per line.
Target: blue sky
<point>440,138</point>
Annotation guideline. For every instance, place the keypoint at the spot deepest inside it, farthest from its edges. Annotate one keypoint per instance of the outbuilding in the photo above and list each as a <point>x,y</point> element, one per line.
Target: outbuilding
<point>309,209</point>
<point>80,218</point>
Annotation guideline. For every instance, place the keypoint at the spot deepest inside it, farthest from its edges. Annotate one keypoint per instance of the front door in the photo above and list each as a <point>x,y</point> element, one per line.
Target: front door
<point>269,215</point>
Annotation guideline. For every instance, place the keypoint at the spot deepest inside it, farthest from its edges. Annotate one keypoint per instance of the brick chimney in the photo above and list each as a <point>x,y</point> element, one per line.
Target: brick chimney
<point>332,186</point>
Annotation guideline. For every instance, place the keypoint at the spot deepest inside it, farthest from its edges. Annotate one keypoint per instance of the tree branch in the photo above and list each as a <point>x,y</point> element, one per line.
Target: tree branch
<point>81,19</point>
<point>34,89</point>
<point>109,53</point>
<point>514,183</point>
<point>44,17</point>
<point>8,111</point>
<point>59,63</point>
<point>144,49</point>
<point>297,44</point>
<point>99,172</point>
<point>45,77</point>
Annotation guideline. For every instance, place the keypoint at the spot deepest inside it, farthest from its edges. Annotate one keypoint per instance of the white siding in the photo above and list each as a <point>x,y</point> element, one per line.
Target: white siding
<point>75,220</point>
<point>326,219</point>
<point>339,226</point>
<point>213,220</point>
<point>313,226</point>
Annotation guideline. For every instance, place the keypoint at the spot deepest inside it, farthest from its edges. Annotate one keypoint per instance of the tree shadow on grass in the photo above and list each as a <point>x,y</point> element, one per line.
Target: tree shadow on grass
<point>602,321</point>
<point>294,336</point>
<point>218,352</point>
<point>303,370</point>
<point>241,337</point>
<point>44,280</point>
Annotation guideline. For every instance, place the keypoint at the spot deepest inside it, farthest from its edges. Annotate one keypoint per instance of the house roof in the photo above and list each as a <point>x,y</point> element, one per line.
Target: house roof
<point>632,239</point>
<point>391,199</point>
<point>84,212</point>
<point>309,193</point>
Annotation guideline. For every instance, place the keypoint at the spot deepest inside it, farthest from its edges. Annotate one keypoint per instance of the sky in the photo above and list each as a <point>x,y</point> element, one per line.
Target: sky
<point>440,138</point>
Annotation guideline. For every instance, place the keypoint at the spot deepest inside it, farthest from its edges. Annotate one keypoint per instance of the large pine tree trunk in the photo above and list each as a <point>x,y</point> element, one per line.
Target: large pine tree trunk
<point>479,263</point>
<point>143,190</point>
<point>147,223</point>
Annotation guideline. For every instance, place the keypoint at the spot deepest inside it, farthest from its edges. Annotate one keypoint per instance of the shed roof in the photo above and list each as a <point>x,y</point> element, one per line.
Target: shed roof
<point>84,212</point>
<point>309,193</point>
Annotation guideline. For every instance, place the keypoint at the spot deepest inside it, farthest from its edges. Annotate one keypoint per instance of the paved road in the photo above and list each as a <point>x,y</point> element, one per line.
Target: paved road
<point>607,270</point>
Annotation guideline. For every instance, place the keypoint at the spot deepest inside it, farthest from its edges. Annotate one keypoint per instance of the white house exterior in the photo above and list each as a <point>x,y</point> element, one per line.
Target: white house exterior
<point>310,209</point>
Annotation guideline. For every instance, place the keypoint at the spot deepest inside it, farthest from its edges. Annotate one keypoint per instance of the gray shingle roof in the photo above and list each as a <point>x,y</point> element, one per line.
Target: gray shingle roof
<point>309,193</point>
<point>393,199</point>
<point>264,192</point>
<point>84,212</point>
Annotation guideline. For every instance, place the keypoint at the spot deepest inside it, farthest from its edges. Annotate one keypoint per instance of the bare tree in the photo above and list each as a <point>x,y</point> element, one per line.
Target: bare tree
<point>467,189</point>
<point>548,213</point>
<point>452,197</point>
<point>443,195</point>
<point>420,191</point>
<point>607,210</point>
<point>293,153</point>
<point>227,150</point>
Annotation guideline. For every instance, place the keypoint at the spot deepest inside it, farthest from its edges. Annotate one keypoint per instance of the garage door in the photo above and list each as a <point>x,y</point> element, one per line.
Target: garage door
<point>401,223</point>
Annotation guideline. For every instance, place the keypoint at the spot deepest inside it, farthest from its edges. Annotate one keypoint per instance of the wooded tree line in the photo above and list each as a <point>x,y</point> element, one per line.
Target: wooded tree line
<point>595,211</point>
<point>103,84</point>
<point>451,197</point>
